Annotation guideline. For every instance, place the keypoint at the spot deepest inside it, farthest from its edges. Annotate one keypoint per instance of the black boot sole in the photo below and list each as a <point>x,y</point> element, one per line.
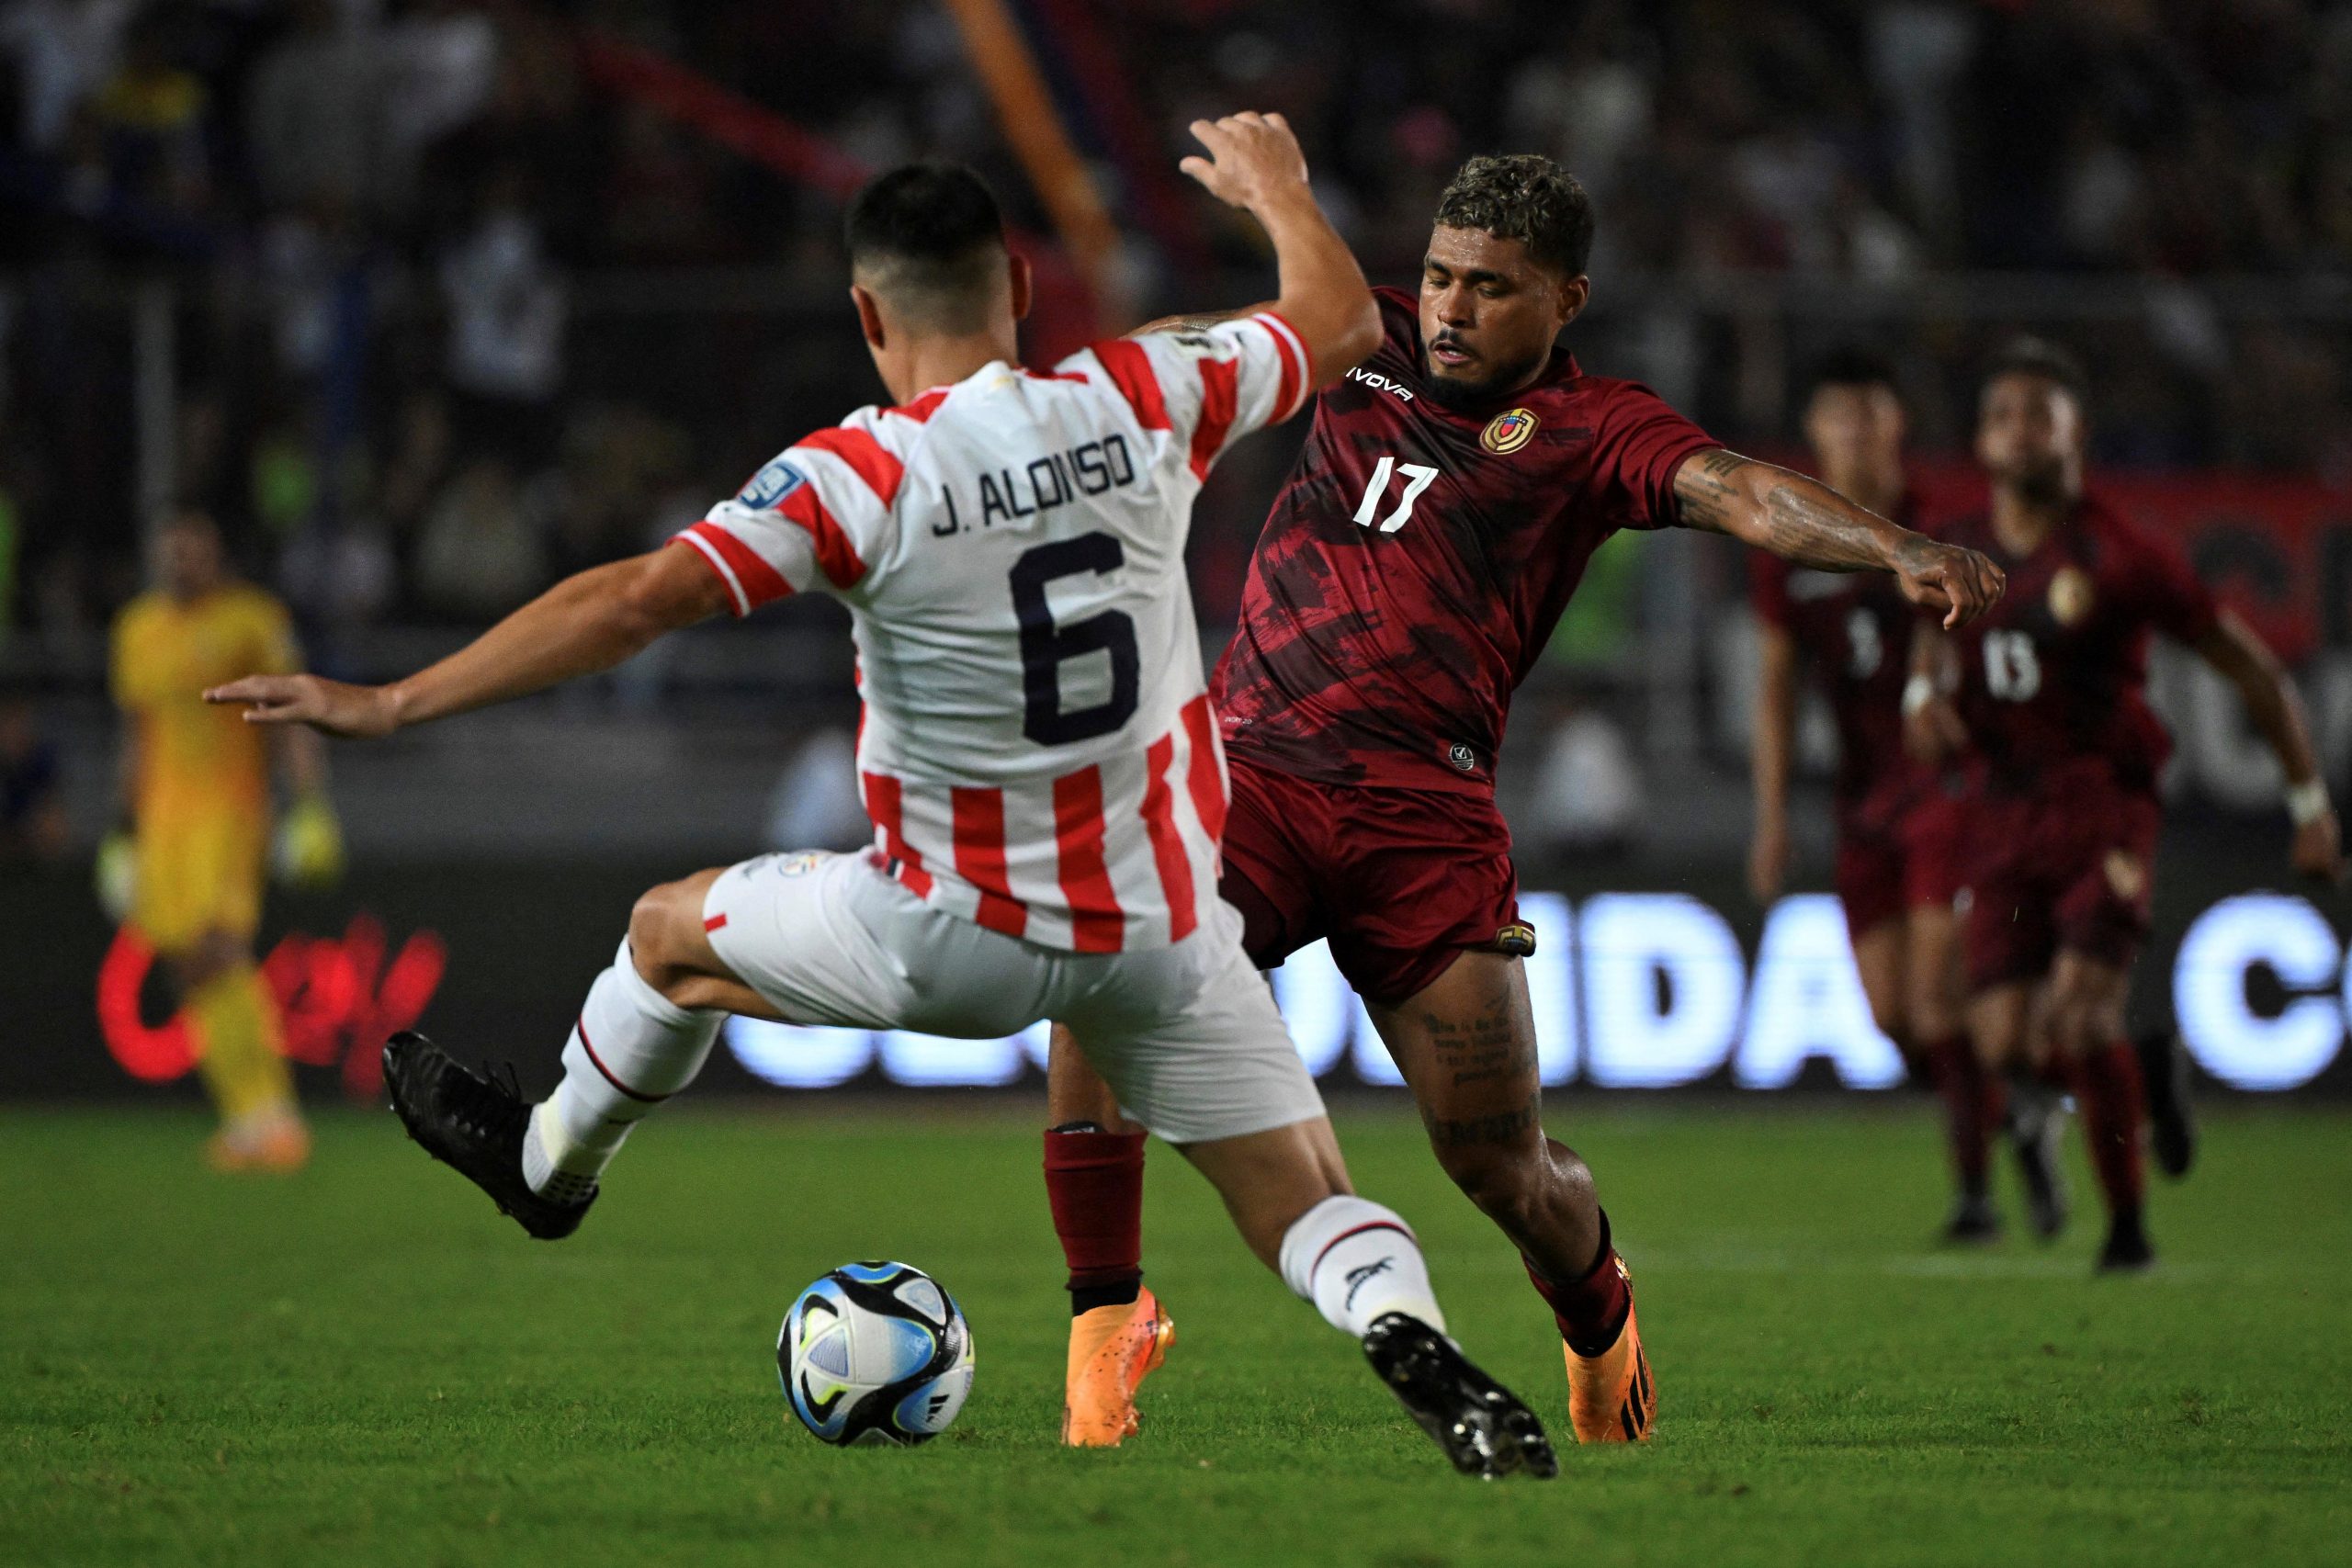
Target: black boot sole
<point>412,1065</point>
<point>1483,1428</point>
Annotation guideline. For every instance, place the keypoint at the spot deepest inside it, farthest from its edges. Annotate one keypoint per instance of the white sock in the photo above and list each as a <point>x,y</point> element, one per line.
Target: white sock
<point>632,1049</point>
<point>1356,1260</point>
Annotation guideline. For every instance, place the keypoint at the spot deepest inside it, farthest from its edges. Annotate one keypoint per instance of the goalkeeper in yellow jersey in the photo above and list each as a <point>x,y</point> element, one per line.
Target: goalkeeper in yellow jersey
<point>186,867</point>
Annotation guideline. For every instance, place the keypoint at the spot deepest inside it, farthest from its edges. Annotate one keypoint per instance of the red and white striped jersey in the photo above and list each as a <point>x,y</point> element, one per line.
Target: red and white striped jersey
<point>1037,752</point>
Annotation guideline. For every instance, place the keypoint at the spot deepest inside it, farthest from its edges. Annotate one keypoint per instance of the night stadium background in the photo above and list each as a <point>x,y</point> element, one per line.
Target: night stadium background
<point>431,302</point>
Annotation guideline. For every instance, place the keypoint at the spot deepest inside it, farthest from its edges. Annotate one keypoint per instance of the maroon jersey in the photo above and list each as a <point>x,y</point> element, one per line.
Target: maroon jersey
<point>2052,676</point>
<point>1418,558</point>
<point>1853,631</point>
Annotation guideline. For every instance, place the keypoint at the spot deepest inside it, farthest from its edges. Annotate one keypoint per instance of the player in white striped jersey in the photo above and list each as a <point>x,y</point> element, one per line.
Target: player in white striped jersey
<point>1038,755</point>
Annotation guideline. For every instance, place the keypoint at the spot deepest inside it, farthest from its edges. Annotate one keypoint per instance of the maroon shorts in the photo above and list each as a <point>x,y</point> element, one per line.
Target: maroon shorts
<point>1399,880</point>
<point>2067,869</point>
<point>1896,857</point>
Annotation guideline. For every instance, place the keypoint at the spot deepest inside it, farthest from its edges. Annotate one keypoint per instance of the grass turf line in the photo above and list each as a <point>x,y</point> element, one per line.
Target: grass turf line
<point>365,1363</point>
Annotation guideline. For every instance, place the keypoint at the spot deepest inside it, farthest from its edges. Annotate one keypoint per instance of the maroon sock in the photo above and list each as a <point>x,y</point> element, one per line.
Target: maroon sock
<point>1591,1312</point>
<point>1974,1101</point>
<point>1094,1183</point>
<point>2114,1107</point>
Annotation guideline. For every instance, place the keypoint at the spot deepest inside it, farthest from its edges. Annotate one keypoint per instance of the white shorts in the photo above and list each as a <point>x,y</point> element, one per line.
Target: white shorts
<point>1186,1035</point>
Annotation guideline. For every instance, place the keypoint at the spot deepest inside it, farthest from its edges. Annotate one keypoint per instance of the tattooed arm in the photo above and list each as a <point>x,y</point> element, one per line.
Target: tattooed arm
<point>1803,521</point>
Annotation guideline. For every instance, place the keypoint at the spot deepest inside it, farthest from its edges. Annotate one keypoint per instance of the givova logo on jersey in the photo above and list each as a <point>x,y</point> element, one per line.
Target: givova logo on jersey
<point>772,484</point>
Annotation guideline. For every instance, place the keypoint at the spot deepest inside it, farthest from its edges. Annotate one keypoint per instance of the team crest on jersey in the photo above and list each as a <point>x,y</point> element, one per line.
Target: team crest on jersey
<point>1463,759</point>
<point>1507,432</point>
<point>772,484</point>
<point>2070,595</point>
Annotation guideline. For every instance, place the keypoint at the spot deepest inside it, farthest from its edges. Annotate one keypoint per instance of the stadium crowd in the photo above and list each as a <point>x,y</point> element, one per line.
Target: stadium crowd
<point>391,227</point>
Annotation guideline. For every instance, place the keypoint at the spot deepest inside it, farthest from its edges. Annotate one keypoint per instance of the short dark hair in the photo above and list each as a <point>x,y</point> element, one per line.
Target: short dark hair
<point>1523,195</point>
<point>929,237</point>
<point>2028,356</point>
<point>1852,365</point>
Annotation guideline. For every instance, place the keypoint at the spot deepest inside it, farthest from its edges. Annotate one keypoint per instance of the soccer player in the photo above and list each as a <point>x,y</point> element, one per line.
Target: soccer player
<point>196,799</point>
<point>1038,756</point>
<point>1451,490</point>
<point>1898,865</point>
<point>2049,701</point>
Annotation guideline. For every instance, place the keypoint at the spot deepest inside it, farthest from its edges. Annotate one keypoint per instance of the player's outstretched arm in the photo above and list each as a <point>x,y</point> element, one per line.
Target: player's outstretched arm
<point>1803,521</point>
<point>585,624</point>
<point>1254,164</point>
<point>2246,663</point>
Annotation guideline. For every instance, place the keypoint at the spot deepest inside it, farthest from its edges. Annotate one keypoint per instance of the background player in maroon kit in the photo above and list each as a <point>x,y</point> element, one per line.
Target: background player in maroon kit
<point>2050,699</point>
<point>1897,868</point>
<point>1414,565</point>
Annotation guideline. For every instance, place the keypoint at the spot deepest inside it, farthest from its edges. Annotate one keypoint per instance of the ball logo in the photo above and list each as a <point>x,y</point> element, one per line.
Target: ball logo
<point>772,484</point>
<point>2070,595</point>
<point>1507,432</point>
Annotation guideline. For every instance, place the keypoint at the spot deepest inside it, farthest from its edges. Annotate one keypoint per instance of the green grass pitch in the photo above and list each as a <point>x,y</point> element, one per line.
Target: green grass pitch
<point>365,1364</point>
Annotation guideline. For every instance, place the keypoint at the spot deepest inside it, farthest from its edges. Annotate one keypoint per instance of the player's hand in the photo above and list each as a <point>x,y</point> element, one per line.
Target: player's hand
<point>309,850</point>
<point>1961,584</point>
<point>1253,158</point>
<point>1934,731</point>
<point>2318,851</point>
<point>330,706</point>
<point>118,874</point>
<point>1768,860</point>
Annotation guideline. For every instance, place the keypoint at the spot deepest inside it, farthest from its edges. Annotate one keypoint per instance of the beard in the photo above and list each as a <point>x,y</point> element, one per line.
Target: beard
<point>1458,393</point>
<point>2040,480</point>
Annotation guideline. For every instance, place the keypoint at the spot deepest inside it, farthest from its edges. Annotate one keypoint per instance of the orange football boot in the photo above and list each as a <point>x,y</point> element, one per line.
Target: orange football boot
<point>1111,1350</point>
<point>1611,1396</point>
<point>278,1146</point>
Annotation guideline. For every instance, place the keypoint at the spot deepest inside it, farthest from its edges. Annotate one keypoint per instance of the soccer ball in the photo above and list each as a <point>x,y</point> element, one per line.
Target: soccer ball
<point>876,1353</point>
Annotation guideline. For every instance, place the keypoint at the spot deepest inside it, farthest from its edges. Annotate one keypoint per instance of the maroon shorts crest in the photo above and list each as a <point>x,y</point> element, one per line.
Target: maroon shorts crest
<point>1399,881</point>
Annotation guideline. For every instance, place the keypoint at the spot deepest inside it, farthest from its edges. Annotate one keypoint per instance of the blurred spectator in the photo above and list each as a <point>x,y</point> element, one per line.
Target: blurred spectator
<point>416,238</point>
<point>64,50</point>
<point>439,60</point>
<point>315,111</point>
<point>816,804</point>
<point>479,556</point>
<point>506,310</point>
<point>1588,792</point>
<point>32,796</point>
<point>149,116</point>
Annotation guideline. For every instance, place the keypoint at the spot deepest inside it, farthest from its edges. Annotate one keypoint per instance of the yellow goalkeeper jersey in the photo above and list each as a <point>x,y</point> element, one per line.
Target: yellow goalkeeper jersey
<point>203,792</point>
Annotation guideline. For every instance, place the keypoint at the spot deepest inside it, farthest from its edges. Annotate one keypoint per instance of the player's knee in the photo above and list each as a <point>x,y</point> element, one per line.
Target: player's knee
<point>656,939</point>
<point>1933,1019</point>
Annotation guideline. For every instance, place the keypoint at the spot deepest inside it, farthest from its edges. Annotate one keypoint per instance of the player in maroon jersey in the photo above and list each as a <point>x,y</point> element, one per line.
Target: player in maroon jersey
<point>2048,699</point>
<point>1450,492</point>
<point>1898,822</point>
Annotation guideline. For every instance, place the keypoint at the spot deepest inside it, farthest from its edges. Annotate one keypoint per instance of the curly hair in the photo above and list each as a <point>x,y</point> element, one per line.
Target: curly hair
<point>1526,196</point>
<point>2028,356</point>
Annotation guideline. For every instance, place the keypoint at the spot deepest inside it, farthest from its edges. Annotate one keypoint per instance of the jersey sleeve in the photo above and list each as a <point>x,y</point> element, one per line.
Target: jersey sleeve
<point>1638,444</point>
<point>1768,588</point>
<point>2167,589</point>
<point>810,521</point>
<point>1208,387</point>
